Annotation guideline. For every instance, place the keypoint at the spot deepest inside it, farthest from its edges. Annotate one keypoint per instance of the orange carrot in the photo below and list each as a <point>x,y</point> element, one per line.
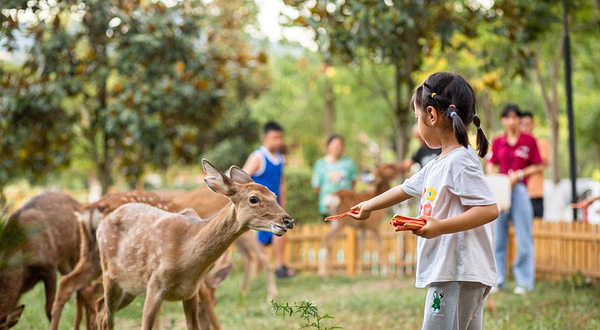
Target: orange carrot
<point>339,216</point>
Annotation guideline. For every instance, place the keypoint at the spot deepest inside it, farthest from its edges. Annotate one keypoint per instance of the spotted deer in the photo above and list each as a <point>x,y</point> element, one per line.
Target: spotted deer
<point>52,246</point>
<point>341,201</point>
<point>166,255</point>
<point>88,267</point>
<point>206,204</point>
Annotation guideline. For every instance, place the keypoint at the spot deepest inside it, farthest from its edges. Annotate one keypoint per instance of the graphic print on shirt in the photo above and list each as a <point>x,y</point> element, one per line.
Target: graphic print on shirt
<point>522,152</point>
<point>437,301</point>
<point>337,177</point>
<point>427,198</point>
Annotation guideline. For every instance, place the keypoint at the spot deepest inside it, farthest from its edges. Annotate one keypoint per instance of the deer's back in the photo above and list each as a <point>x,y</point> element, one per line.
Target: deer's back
<point>137,240</point>
<point>53,234</point>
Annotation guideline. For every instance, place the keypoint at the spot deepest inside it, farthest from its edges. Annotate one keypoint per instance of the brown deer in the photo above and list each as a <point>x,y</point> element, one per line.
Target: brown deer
<point>206,204</point>
<point>342,201</point>
<point>52,245</point>
<point>166,255</point>
<point>88,268</point>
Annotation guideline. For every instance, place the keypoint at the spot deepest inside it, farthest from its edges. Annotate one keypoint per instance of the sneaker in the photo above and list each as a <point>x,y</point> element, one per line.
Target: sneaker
<point>284,272</point>
<point>520,290</point>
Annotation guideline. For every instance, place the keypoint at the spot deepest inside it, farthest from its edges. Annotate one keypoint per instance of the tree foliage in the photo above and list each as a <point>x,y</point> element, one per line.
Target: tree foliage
<point>137,83</point>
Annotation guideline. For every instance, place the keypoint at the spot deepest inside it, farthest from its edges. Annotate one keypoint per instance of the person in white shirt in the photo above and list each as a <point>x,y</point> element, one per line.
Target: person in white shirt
<point>455,257</point>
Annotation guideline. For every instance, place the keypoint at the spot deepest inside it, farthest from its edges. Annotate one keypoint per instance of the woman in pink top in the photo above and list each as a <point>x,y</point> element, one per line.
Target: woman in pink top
<point>515,154</point>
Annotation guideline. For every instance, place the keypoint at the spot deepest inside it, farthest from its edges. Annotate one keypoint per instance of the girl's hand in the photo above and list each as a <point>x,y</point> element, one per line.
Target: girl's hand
<point>431,229</point>
<point>360,211</point>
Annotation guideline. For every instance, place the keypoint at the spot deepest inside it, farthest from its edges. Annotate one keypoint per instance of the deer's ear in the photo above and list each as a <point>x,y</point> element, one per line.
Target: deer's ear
<point>220,275</point>
<point>13,317</point>
<point>238,175</point>
<point>216,181</point>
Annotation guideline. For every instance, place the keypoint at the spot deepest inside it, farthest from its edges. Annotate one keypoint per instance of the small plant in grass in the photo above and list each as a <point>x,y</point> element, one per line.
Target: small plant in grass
<point>307,311</point>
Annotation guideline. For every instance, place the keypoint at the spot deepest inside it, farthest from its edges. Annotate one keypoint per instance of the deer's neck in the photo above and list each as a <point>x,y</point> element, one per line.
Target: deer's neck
<point>213,238</point>
<point>382,187</point>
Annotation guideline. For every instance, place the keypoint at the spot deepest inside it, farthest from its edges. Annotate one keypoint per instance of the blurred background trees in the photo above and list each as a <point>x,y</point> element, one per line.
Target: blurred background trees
<point>118,89</point>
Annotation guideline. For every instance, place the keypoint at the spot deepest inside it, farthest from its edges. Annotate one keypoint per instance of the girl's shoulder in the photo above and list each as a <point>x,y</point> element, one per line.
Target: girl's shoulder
<point>461,159</point>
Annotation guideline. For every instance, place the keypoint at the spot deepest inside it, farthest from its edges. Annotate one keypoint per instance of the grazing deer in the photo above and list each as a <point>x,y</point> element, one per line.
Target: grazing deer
<point>88,268</point>
<point>52,245</point>
<point>206,204</point>
<point>341,201</point>
<point>166,255</point>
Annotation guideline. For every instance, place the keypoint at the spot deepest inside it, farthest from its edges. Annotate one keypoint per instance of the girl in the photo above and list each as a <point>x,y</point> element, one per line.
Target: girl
<point>333,172</point>
<point>454,254</point>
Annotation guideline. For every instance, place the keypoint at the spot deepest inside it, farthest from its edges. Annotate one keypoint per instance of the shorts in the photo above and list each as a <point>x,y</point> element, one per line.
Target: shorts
<point>455,306</point>
<point>265,237</point>
<point>538,207</point>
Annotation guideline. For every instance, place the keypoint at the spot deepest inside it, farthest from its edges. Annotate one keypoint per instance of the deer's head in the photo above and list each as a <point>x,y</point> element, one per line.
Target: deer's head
<point>256,206</point>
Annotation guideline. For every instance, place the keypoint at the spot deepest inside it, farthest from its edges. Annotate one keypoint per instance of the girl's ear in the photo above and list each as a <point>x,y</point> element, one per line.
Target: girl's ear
<point>432,115</point>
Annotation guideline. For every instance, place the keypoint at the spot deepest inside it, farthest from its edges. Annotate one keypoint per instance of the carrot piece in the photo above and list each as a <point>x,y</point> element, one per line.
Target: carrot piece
<point>412,227</point>
<point>339,216</point>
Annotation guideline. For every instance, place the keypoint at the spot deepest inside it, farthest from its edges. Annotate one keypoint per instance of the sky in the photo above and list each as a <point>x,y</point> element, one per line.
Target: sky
<point>269,21</point>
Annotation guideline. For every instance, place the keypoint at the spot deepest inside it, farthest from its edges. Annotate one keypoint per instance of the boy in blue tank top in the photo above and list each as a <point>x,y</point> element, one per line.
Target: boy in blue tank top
<point>265,166</point>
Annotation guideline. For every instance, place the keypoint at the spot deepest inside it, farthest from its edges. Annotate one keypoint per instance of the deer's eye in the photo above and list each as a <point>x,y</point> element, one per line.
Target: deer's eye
<point>253,200</point>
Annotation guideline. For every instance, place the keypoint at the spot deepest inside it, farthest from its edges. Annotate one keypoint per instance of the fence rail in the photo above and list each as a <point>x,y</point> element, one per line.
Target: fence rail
<point>562,250</point>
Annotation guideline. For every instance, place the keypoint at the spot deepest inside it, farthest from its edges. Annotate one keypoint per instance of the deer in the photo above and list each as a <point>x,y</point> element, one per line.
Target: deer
<point>52,246</point>
<point>341,201</point>
<point>206,204</point>
<point>164,255</point>
<point>88,268</point>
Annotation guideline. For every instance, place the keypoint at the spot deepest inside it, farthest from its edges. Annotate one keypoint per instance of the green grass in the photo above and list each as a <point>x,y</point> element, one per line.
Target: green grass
<point>359,303</point>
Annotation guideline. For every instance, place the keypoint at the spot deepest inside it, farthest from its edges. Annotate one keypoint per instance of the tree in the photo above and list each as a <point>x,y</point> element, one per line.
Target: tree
<point>527,46</point>
<point>147,84</point>
<point>370,33</point>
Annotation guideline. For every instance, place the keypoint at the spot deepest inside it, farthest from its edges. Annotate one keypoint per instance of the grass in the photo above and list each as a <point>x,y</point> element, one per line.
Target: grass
<point>359,303</point>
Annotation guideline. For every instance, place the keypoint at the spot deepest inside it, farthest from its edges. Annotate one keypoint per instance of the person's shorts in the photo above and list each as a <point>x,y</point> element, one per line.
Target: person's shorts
<point>538,207</point>
<point>264,237</point>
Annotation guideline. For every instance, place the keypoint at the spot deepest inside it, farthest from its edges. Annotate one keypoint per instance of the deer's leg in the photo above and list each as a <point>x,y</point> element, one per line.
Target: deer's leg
<point>208,306</point>
<point>152,304</point>
<point>334,230</point>
<point>247,265</point>
<point>48,276</point>
<point>190,308</point>
<point>360,252</point>
<point>263,260</point>
<point>79,302</point>
<point>70,283</point>
<point>112,297</point>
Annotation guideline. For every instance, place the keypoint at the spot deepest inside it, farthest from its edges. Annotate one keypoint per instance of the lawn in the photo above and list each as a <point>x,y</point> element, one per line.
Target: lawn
<point>359,303</point>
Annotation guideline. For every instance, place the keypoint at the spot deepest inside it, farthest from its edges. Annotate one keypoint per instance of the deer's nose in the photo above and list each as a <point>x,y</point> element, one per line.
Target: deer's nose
<point>288,222</point>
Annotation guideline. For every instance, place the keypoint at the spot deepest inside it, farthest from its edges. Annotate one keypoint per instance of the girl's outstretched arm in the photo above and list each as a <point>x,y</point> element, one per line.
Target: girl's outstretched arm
<point>474,217</point>
<point>387,199</point>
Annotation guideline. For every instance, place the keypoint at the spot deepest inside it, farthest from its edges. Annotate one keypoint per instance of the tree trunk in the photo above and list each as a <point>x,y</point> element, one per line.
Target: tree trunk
<point>3,202</point>
<point>551,102</point>
<point>401,124</point>
<point>328,101</point>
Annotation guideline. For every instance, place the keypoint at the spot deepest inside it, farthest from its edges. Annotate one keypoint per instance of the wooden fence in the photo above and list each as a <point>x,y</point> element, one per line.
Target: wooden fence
<point>562,249</point>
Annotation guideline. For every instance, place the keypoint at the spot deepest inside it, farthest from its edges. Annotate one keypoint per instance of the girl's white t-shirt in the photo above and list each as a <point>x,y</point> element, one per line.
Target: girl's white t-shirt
<point>448,186</point>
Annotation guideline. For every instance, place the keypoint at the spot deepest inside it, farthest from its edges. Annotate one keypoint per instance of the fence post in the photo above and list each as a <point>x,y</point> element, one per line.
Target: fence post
<point>350,253</point>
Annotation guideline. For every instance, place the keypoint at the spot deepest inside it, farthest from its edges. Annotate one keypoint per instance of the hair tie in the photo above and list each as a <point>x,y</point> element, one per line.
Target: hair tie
<point>452,113</point>
<point>433,94</point>
<point>479,128</point>
<point>452,106</point>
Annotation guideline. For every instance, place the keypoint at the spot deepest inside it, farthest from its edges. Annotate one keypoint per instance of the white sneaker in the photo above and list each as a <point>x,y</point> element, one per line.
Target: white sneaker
<point>520,290</point>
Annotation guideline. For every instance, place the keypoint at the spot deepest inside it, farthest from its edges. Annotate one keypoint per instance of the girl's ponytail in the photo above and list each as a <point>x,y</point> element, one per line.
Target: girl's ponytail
<point>482,141</point>
<point>459,127</point>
